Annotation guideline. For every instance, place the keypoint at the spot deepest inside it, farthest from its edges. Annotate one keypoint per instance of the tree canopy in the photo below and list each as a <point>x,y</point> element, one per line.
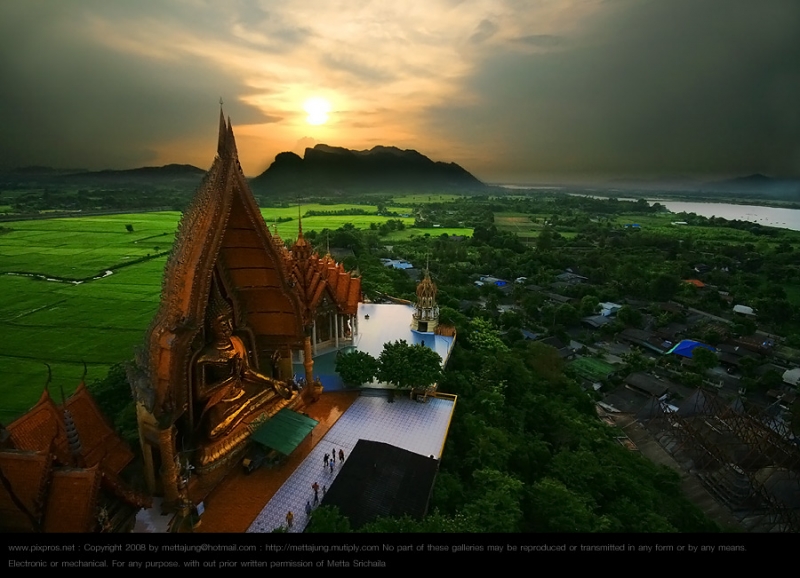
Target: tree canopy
<point>356,367</point>
<point>408,366</point>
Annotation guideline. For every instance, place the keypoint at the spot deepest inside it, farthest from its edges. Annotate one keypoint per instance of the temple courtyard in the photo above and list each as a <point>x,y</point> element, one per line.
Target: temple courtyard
<point>260,501</point>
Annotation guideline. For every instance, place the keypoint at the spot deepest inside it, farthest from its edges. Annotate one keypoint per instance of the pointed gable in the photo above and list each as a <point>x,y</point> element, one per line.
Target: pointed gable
<point>221,234</point>
<point>41,430</point>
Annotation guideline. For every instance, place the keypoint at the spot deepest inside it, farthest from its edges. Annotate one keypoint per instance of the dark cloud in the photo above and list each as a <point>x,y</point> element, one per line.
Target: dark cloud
<point>356,67</point>
<point>540,40</point>
<point>655,87</point>
<point>648,88</point>
<point>485,30</point>
<point>69,103</point>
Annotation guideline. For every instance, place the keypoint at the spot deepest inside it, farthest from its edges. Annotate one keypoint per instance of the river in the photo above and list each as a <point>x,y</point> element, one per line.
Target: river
<point>768,216</point>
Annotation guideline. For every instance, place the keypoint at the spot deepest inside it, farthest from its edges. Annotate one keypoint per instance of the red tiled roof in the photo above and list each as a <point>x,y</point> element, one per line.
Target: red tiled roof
<point>27,473</point>
<point>41,430</point>
<point>72,502</point>
<point>100,443</point>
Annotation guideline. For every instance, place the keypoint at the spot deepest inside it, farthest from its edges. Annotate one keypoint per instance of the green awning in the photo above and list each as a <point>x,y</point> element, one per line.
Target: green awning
<point>284,431</point>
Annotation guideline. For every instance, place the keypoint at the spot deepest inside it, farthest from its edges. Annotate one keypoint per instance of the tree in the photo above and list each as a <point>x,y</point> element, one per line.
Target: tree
<point>356,367</point>
<point>663,287</point>
<point>589,305</point>
<point>567,315</point>
<point>483,337</point>
<point>545,240</point>
<point>560,510</point>
<point>629,316</point>
<point>129,228</point>
<point>636,360</point>
<point>770,380</point>
<point>748,365</point>
<point>496,507</point>
<point>327,520</point>
<point>113,396</point>
<point>703,359</point>
<point>744,326</point>
<point>408,366</point>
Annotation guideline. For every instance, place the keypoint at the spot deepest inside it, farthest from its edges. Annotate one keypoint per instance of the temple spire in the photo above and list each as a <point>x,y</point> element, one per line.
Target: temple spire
<point>231,141</point>
<point>299,223</point>
<point>223,132</point>
<point>426,312</point>
<point>226,143</point>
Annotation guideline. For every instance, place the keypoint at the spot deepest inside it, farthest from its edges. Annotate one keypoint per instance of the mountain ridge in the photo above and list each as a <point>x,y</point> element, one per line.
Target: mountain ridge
<point>325,167</point>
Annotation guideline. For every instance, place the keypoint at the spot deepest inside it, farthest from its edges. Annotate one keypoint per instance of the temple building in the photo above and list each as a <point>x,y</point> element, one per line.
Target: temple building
<point>237,307</point>
<point>63,469</point>
<point>329,296</point>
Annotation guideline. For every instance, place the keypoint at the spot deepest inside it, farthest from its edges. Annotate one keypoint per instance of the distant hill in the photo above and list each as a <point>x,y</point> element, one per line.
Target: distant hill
<point>327,168</point>
<point>758,184</point>
<point>42,170</point>
<point>172,176</point>
<point>173,171</point>
<point>754,186</point>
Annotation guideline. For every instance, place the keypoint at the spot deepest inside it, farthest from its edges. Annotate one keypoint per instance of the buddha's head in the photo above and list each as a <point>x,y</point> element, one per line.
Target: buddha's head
<point>222,326</point>
<point>220,316</point>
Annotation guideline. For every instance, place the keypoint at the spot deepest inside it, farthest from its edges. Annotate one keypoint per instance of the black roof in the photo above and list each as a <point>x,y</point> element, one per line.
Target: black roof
<point>378,479</point>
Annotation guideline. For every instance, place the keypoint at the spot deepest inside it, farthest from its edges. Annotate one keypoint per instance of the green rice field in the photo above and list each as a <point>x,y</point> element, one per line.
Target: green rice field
<point>421,199</point>
<point>421,232</point>
<point>59,305</point>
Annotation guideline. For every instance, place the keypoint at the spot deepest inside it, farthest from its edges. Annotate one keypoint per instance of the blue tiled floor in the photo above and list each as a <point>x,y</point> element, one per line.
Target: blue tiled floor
<point>417,427</point>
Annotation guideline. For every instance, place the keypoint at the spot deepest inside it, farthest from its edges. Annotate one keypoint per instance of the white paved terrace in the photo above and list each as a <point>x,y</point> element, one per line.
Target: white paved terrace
<point>417,427</point>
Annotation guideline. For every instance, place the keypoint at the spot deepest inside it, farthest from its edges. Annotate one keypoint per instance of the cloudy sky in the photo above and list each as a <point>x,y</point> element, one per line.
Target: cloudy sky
<point>513,90</point>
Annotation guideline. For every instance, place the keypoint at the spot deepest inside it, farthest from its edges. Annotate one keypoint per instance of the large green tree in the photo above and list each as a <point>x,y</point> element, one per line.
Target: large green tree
<point>356,367</point>
<point>704,359</point>
<point>408,366</point>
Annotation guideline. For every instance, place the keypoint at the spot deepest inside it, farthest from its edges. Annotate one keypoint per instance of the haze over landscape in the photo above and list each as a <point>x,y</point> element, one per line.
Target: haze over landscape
<point>568,91</point>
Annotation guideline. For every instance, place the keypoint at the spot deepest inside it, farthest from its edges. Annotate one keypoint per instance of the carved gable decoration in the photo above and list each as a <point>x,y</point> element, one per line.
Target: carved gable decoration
<point>221,235</point>
<point>320,282</point>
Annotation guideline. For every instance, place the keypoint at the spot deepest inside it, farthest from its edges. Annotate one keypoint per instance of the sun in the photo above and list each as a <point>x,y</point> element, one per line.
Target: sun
<point>317,109</point>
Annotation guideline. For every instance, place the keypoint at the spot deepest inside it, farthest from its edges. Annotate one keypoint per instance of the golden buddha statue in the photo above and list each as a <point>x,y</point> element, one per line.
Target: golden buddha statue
<point>226,385</point>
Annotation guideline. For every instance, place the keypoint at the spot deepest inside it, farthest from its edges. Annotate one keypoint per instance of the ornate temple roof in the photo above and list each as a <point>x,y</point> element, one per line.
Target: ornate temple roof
<point>426,290</point>
<point>42,429</point>
<point>315,277</point>
<point>52,486</point>
<point>221,233</point>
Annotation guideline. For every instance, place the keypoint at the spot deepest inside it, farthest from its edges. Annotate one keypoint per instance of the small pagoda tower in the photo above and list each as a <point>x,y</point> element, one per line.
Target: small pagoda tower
<point>426,313</point>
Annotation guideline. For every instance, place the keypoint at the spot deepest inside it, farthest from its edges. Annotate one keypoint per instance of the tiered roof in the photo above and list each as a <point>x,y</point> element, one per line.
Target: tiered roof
<point>54,485</point>
<point>42,429</point>
<point>316,277</point>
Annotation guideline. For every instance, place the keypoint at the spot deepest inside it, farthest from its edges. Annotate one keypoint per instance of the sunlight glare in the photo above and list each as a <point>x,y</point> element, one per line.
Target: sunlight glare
<point>317,109</point>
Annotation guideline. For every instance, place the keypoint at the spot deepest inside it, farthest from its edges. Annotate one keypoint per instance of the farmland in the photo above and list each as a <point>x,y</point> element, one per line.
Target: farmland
<point>61,307</point>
